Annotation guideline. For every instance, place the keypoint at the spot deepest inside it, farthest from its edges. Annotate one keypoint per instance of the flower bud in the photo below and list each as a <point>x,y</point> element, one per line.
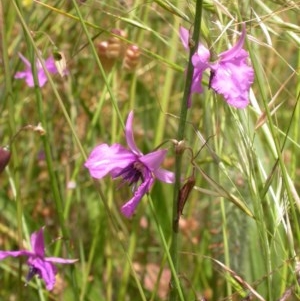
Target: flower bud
<point>115,47</point>
<point>4,158</point>
<point>131,58</point>
<point>102,47</point>
<point>184,193</point>
<point>60,63</point>
<point>106,62</point>
<point>180,147</point>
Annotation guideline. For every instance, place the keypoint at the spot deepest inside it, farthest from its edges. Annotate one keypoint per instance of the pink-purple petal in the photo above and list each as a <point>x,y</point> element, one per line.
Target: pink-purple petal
<point>27,73</point>
<point>25,61</point>
<point>129,135</point>
<point>236,49</point>
<point>200,62</point>
<point>4,254</point>
<point>41,75</point>
<point>164,175</point>
<point>196,86</point>
<point>60,260</point>
<point>42,78</point>
<point>21,74</point>
<point>37,242</point>
<point>232,76</point>
<point>28,77</point>
<point>201,57</point>
<point>233,80</point>
<point>184,36</point>
<point>153,160</point>
<point>50,65</point>
<point>105,159</point>
<point>46,270</point>
<point>129,208</point>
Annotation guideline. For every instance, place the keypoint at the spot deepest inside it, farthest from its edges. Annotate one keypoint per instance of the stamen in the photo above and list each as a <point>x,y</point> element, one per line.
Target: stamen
<point>132,174</point>
<point>32,272</point>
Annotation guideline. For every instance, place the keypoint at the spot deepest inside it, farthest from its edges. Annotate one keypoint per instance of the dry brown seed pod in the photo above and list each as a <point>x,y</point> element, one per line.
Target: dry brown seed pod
<point>131,58</point>
<point>115,47</point>
<point>4,158</point>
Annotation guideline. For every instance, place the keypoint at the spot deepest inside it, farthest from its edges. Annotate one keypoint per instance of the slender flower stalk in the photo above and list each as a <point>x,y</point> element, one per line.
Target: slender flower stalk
<point>47,147</point>
<point>178,155</point>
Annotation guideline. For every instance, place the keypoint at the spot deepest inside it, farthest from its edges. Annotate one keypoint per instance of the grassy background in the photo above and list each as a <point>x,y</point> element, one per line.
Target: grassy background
<point>240,229</point>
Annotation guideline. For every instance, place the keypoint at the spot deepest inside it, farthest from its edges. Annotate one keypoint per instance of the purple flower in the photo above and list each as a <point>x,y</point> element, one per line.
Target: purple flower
<point>200,61</point>
<point>37,262</point>
<point>231,75</point>
<point>42,78</point>
<point>130,164</point>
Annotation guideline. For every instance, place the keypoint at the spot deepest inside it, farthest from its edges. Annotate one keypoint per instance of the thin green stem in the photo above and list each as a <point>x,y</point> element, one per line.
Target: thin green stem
<point>9,98</point>
<point>168,253</point>
<point>126,269</point>
<point>59,99</point>
<point>148,52</point>
<point>51,169</point>
<point>178,155</point>
<point>167,88</point>
<point>226,244</point>
<point>45,139</point>
<point>89,263</point>
<point>278,156</point>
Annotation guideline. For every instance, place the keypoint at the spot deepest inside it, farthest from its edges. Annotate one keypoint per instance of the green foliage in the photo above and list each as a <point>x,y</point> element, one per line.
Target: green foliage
<point>239,234</point>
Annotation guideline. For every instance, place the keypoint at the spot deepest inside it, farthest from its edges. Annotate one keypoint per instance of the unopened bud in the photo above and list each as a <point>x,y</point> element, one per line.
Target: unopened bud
<point>60,63</point>
<point>180,147</point>
<point>102,47</point>
<point>131,58</point>
<point>4,158</point>
<point>115,47</point>
<point>106,62</point>
<point>184,193</point>
<point>39,129</point>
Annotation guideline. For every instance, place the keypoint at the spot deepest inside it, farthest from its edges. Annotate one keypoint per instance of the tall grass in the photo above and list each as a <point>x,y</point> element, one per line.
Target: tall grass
<point>239,234</point>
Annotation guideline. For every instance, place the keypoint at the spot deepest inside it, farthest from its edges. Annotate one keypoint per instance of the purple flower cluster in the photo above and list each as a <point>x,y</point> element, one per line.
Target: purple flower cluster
<point>231,75</point>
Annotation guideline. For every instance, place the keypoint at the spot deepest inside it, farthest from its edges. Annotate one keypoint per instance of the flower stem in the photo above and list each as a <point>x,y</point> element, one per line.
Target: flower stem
<point>180,137</point>
<point>6,18</point>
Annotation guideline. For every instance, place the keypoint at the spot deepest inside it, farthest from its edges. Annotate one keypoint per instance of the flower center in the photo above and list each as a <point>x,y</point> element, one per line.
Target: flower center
<point>212,74</point>
<point>132,174</point>
<point>32,272</point>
